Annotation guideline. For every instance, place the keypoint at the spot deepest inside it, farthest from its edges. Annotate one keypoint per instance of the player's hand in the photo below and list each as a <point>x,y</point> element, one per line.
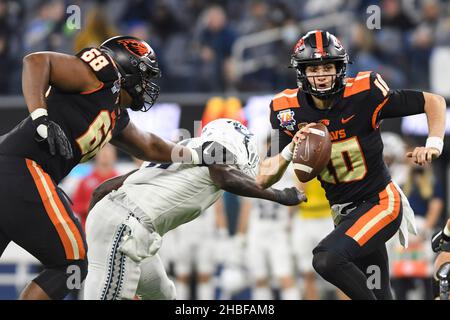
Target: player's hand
<point>290,196</point>
<point>55,136</point>
<point>423,155</point>
<point>300,134</point>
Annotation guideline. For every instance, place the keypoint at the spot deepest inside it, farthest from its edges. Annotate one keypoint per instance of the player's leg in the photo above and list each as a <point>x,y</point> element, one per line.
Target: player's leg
<point>154,284</point>
<point>304,236</point>
<point>258,268</point>
<point>111,274</point>
<point>360,233</point>
<point>39,220</point>
<point>281,264</point>
<point>376,266</point>
<point>205,268</point>
<point>183,262</point>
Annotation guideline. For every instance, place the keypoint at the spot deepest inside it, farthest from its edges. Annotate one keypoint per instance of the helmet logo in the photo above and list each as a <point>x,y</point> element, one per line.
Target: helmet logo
<point>136,47</point>
<point>300,46</point>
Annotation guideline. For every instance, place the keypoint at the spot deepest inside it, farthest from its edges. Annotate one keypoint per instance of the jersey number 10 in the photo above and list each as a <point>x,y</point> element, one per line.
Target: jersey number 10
<point>348,162</point>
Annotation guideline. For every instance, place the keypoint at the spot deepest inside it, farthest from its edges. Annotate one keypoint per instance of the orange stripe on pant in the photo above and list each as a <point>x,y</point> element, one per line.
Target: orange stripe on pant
<point>68,232</point>
<point>377,217</point>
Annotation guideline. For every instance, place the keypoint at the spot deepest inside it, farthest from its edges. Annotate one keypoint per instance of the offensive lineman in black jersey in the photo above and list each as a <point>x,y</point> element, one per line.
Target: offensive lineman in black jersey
<point>77,104</point>
<point>367,206</point>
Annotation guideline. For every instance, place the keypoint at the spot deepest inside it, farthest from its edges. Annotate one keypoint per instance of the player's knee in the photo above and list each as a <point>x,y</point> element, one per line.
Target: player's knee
<point>326,263</point>
<point>82,265</point>
<point>168,290</point>
<point>59,281</point>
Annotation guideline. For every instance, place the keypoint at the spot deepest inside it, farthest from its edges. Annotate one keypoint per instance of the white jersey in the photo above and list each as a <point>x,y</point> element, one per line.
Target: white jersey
<point>171,195</point>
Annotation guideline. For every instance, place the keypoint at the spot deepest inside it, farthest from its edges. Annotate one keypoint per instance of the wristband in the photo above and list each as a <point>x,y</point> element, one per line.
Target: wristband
<point>39,112</point>
<point>446,233</point>
<point>287,154</point>
<point>435,142</point>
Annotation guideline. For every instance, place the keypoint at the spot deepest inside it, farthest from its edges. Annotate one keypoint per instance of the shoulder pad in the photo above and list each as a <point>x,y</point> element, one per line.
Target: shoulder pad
<point>358,84</point>
<point>285,100</point>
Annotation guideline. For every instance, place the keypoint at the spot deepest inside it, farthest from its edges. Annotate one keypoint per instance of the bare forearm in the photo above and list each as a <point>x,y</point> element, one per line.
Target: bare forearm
<point>271,170</point>
<point>35,80</point>
<point>435,109</point>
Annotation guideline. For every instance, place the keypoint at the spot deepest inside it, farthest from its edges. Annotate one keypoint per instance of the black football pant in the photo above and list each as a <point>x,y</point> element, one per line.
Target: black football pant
<point>36,216</point>
<point>353,257</point>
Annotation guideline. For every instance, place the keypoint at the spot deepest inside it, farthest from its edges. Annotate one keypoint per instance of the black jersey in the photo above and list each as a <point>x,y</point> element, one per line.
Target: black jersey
<point>356,170</point>
<point>89,120</point>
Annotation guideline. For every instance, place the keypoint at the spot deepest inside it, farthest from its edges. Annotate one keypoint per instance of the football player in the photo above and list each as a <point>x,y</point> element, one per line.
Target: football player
<point>367,206</point>
<point>440,242</point>
<point>77,104</point>
<point>124,229</point>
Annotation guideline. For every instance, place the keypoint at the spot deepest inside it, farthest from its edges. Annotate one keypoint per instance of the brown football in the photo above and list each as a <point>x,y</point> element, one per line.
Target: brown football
<point>311,155</point>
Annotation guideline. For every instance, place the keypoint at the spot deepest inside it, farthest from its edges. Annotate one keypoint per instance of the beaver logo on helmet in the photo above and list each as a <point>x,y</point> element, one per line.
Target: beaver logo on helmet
<point>138,48</point>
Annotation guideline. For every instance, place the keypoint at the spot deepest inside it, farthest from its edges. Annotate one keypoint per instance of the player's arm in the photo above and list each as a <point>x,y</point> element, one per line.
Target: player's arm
<point>273,167</point>
<point>44,69</point>
<point>149,147</point>
<point>232,180</point>
<point>401,103</point>
<point>66,72</point>
<point>106,187</point>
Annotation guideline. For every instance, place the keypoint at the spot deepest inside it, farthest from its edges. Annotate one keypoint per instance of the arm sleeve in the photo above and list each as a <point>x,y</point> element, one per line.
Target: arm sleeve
<point>279,139</point>
<point>402,103</point>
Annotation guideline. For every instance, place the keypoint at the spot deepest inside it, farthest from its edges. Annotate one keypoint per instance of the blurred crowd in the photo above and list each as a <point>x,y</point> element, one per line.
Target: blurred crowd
<point>195,39</point>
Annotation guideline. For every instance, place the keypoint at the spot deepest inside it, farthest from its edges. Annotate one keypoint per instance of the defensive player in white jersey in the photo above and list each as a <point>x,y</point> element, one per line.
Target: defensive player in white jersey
<point>124,229</point>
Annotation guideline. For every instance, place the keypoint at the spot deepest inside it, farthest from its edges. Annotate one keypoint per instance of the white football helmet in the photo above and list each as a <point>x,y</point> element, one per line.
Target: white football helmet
<point>237,139</point>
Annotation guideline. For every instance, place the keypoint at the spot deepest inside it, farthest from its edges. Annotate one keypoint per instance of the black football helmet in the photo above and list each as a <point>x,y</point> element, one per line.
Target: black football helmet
<point>137,64</point>
<point>319,47</point>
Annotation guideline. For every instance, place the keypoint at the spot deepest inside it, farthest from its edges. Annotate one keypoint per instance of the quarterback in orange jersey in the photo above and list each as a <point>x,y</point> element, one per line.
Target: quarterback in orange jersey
<point>367,207</point>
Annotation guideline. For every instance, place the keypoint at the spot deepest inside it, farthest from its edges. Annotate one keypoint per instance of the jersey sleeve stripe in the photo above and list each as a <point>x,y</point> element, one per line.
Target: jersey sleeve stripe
<point>376,112</point>
<point>94,90</point>
<point>65,227</point>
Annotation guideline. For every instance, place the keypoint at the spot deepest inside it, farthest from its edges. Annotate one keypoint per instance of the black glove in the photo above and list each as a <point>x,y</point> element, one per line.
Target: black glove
<point>290,196</point>
<point>55,136</point>
<point>439,241</point>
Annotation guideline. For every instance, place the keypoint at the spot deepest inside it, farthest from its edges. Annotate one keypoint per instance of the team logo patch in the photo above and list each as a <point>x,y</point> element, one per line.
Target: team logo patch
<point>299,46</point>
<point>136,47</point>
<point>286,118</point>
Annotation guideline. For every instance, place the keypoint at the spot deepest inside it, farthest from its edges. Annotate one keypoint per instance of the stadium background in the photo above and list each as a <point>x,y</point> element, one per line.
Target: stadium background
<point>226,54</point>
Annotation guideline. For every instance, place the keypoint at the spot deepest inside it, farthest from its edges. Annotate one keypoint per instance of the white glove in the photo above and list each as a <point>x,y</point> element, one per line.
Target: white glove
<point>139,243</point>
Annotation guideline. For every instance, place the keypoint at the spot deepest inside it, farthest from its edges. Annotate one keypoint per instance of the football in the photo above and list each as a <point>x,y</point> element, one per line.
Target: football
<point>311,155</point>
